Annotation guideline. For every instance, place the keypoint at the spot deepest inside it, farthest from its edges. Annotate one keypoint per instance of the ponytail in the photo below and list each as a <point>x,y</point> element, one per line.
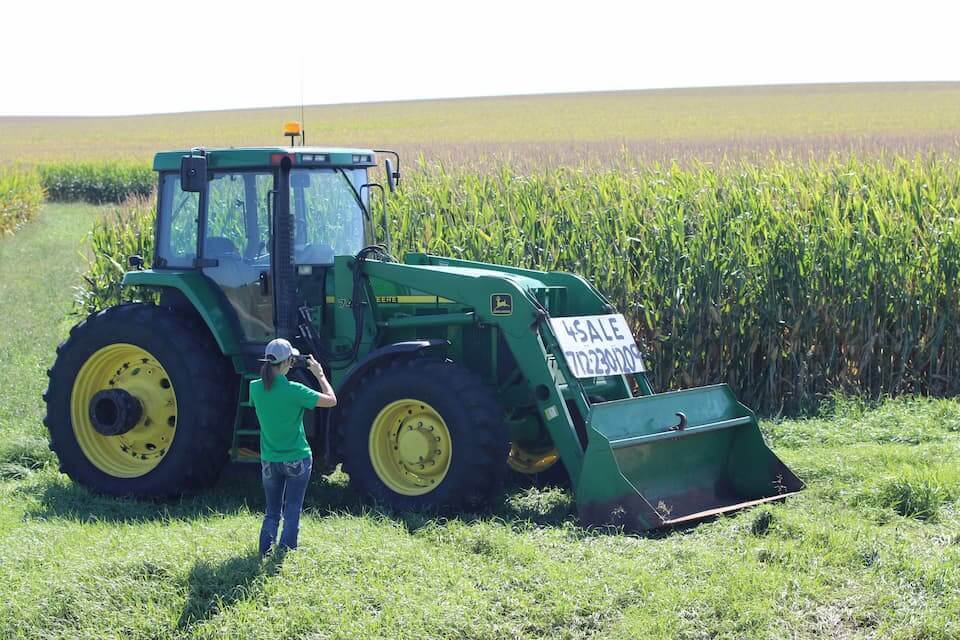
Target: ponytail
<point>267,372</point>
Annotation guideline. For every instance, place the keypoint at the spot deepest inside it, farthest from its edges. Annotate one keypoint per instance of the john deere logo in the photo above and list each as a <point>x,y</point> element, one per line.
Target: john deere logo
<point>501,304</point>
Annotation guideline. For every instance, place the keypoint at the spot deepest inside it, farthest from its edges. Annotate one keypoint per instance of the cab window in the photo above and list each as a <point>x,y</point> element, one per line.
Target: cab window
<point>237,222</point>
<point>177,224</point>
<point>328,219</point>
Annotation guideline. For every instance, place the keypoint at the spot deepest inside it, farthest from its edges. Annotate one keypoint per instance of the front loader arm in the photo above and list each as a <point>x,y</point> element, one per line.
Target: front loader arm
<point>583,297</point>
<point>525,329</point>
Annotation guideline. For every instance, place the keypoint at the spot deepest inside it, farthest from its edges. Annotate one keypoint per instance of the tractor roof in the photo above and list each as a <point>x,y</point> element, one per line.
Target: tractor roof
<point>234,158</point>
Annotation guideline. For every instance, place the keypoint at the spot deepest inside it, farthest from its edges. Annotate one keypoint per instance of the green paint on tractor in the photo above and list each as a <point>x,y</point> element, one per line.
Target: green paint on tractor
<point>258,243</point>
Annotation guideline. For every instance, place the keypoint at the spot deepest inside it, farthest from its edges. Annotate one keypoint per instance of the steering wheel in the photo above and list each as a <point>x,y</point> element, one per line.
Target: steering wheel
<point>262,260</point>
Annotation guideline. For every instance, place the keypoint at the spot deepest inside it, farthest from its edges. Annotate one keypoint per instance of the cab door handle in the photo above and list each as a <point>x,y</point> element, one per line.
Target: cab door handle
<point>264,283</point>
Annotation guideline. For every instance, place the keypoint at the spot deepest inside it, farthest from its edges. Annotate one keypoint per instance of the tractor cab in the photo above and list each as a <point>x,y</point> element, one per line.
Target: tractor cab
<point>248,218</point>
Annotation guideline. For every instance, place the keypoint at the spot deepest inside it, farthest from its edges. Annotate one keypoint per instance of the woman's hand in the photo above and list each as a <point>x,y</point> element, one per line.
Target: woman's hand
<point>327,397</point>
<point>315,367</point>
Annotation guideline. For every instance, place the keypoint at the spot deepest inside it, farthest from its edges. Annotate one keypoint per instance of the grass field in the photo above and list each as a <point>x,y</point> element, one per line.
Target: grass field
<point>569,129</point>
<point>39,267</point>
<point>840,560</point>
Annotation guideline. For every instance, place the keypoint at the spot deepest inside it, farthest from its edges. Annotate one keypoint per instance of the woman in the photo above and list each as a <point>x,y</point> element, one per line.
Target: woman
<point>285,458</point>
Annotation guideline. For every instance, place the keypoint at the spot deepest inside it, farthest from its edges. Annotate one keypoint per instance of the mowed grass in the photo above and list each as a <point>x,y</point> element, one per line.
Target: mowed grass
<point>836,561</point>
<point>39,267</point>
<point>568,129</point>
<point>871,548</point>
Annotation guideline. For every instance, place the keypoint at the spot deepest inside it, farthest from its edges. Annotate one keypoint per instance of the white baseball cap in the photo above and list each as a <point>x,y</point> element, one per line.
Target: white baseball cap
<point>278,350</point>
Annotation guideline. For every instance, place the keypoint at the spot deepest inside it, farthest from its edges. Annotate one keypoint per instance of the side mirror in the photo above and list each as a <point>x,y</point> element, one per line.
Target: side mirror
<point>193,173</point>
<point>391,176</point>
<point>135,262</point>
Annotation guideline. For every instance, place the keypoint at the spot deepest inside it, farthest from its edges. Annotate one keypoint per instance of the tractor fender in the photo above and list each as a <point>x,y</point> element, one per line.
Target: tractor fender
<point>384,354</point>
<point>194,294</point>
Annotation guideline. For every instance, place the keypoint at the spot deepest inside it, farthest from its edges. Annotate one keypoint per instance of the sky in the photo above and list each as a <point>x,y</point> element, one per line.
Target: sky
<point>133,57</point>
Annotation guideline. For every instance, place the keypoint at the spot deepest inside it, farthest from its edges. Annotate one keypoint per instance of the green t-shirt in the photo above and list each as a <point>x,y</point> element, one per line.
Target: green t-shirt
<point>280,412</point>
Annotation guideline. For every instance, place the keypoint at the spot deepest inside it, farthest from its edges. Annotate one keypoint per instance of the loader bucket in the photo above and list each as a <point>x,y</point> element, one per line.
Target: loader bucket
<point>641,471</point>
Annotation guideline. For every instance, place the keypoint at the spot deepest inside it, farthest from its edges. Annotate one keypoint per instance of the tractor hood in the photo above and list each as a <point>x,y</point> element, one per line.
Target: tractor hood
<point>475,284</point>
<point>510,297</point>
<point>521,281</point>
<point>492,295</point>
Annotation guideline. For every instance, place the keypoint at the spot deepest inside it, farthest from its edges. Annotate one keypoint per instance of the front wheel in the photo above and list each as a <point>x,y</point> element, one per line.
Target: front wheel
<point>422,434</point>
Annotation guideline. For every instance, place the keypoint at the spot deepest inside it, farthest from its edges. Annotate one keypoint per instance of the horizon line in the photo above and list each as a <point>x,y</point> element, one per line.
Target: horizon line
<point>545,94</point>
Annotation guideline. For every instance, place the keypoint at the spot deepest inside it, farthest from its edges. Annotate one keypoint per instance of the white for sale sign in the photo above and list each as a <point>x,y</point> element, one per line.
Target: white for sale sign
<point>598,345</point>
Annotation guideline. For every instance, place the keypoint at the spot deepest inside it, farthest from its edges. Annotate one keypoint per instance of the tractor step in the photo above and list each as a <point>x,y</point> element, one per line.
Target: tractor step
<point>243,454</point>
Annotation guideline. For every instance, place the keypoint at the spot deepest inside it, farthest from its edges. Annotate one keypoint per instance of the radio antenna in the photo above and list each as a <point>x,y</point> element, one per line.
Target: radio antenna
<point>303,125</point>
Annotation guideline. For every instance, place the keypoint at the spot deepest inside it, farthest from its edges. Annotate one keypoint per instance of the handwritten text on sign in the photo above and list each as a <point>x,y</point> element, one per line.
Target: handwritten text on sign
<point>598,345</point>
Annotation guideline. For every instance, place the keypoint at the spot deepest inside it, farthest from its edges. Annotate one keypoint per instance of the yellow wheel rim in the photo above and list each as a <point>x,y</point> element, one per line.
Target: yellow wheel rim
<point>410,447</point>
<point>139,373</point>
<point>523,461</point>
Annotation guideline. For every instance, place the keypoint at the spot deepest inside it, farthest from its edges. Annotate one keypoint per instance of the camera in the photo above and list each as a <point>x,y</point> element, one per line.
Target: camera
<point>301,361</point>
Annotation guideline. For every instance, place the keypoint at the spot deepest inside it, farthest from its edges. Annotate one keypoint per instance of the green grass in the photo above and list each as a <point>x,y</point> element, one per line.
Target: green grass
<point>835,561</point>
<point>565,128</point>
<point>39,268</point>
<point>839,560</point>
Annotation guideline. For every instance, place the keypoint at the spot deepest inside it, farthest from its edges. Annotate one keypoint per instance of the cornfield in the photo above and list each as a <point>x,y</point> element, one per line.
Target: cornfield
<point>124,231</point>
<point>790,281</point>
<point>21,195</point>
<point>97,182</point>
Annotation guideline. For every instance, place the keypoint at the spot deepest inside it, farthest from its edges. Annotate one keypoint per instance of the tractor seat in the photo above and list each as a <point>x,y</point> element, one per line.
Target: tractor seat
<point>219,247</point>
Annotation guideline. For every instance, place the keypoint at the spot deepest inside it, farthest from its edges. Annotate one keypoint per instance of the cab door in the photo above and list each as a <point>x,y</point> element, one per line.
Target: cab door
<point>236,247</point>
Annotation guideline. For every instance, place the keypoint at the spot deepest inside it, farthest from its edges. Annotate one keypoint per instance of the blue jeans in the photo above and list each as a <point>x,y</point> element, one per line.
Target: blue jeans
<point>285,484</point>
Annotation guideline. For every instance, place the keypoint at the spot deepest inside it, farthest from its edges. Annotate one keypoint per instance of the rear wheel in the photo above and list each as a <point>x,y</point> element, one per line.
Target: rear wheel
<point>424,433</point>
<point>140,403</point>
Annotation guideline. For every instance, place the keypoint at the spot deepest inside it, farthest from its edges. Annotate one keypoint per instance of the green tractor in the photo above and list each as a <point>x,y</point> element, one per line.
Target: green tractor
<point>449,373</point>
